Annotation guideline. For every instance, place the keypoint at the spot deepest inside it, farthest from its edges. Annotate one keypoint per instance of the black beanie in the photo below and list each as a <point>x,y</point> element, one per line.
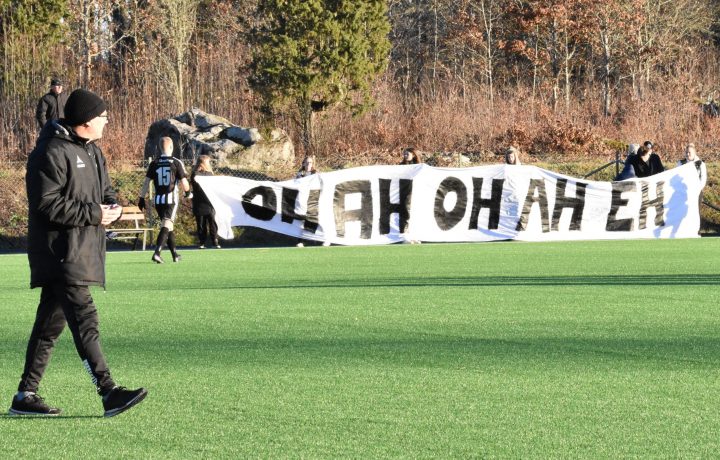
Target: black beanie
<point>82,106</point>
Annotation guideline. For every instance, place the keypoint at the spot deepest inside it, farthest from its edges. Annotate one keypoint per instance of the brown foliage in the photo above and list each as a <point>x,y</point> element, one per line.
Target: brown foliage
<point>558,136</point>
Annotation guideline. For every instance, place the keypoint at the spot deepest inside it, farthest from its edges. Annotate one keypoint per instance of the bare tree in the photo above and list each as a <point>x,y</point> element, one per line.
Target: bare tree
<point>92,39</point>
<point>473,40</point>
<point>176,21</point>
<point>664,29</point>
<point>614,30</point>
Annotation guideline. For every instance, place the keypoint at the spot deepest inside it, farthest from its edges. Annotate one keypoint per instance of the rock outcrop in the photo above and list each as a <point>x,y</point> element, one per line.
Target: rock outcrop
<point>196,133</point>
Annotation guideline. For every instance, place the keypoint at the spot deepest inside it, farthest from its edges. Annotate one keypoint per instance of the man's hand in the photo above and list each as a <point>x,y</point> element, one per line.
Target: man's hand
<point>141,203</point>
<point>110,213</point>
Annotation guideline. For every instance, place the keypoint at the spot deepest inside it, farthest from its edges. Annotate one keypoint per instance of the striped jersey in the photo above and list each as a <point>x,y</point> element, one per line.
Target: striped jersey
<point>166,172</point>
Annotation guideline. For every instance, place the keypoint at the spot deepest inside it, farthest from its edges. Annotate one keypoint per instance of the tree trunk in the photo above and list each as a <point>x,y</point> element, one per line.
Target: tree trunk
<point>606,77</point>
<point>307,131</point>
<point>436,53</point>
<point>567,84</point>
<point>179,80</point>
<point>488,23</point>
<point>535,74</point>
<point>85,45</point>
<point>567,69</point>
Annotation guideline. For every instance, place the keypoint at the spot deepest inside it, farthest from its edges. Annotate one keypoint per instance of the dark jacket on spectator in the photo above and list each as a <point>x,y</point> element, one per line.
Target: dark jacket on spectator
<point>51,107</point>
<point>66,180</point>
<point>628,172</point>
<point>201,205</point>
<point>643,169</point>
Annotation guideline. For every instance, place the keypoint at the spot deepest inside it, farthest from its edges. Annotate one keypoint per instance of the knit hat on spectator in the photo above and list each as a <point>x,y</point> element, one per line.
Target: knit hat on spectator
<point>82,106</point>
<point>56,82</point>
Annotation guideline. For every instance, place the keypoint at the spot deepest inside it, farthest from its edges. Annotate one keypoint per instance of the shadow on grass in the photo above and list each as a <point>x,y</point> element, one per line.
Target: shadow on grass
<point>436,350</point>
<point>474,281</point>
<point>48,417</point>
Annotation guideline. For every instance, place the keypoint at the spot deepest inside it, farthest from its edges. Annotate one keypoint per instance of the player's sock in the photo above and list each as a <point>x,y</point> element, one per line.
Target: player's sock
<point>161,239</point>
<point>171,244</point>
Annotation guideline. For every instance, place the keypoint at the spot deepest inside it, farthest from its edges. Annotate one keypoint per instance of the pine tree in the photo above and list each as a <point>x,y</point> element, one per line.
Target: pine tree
<point>314,54</point>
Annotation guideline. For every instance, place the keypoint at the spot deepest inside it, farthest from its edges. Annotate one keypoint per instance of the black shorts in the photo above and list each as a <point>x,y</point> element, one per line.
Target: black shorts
<point>166,211</point>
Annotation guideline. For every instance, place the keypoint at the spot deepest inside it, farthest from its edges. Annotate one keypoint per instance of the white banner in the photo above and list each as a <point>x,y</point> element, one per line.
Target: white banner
<point>390,204</point>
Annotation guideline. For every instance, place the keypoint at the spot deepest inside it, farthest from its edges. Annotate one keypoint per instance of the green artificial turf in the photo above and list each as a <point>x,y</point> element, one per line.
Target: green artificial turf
<point>564,350</point>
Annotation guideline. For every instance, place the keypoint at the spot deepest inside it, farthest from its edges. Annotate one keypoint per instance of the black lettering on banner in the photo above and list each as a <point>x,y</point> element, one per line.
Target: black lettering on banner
<point>493,203</point>
<point>562,201</point>
<point>265,211</point>
<point>617,201</point>
<point>656,202</point>
<point>289,200</point>
<point>364,214</point>
<point>530,200</point>
<point>402,208</point>
<point>312,220</point>
<point>448,219</point>
<point>698,166</point>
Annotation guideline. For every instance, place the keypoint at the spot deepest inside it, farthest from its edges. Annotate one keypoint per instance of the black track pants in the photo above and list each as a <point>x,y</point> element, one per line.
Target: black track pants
<point>206,225</point>
<point>60,305</point>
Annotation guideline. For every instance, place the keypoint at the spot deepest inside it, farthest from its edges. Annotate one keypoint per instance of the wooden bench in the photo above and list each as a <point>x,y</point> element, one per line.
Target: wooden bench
<point>137,217</point>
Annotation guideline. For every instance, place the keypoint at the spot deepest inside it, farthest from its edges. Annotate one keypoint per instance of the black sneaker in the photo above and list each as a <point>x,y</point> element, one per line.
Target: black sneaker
<point>177,258</point>
<point>157,259</point>
<point>121,399</point>
<point>32,404</point>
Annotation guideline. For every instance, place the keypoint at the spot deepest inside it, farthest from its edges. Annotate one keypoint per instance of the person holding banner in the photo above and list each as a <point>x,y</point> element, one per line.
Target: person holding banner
<point>307,168</point>
<point>202,208</point>
<point>410,156</point>
<point>690,155</point>
<point>512,156</point>
<point>628,171</point>
<point>646,163</point>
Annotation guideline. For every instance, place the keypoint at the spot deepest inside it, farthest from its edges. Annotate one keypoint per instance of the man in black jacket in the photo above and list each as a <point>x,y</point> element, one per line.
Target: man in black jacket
<point>70,201</point>
<point>52,105</point>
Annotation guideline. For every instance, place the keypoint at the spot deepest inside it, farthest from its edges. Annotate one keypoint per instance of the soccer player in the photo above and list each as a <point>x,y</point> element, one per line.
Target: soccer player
<point>165,173</point>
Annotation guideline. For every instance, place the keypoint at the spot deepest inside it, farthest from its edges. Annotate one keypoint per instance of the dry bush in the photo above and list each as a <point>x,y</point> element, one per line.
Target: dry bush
<point>558,136</point>
<point>453,124</point>
<point>516,137</point>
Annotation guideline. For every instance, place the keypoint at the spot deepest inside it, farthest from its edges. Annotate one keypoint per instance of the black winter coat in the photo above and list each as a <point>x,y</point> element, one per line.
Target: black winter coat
<point>51,107</point>
<point>200,203</point>
<point>66,182</point>
<point>642,169</point>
